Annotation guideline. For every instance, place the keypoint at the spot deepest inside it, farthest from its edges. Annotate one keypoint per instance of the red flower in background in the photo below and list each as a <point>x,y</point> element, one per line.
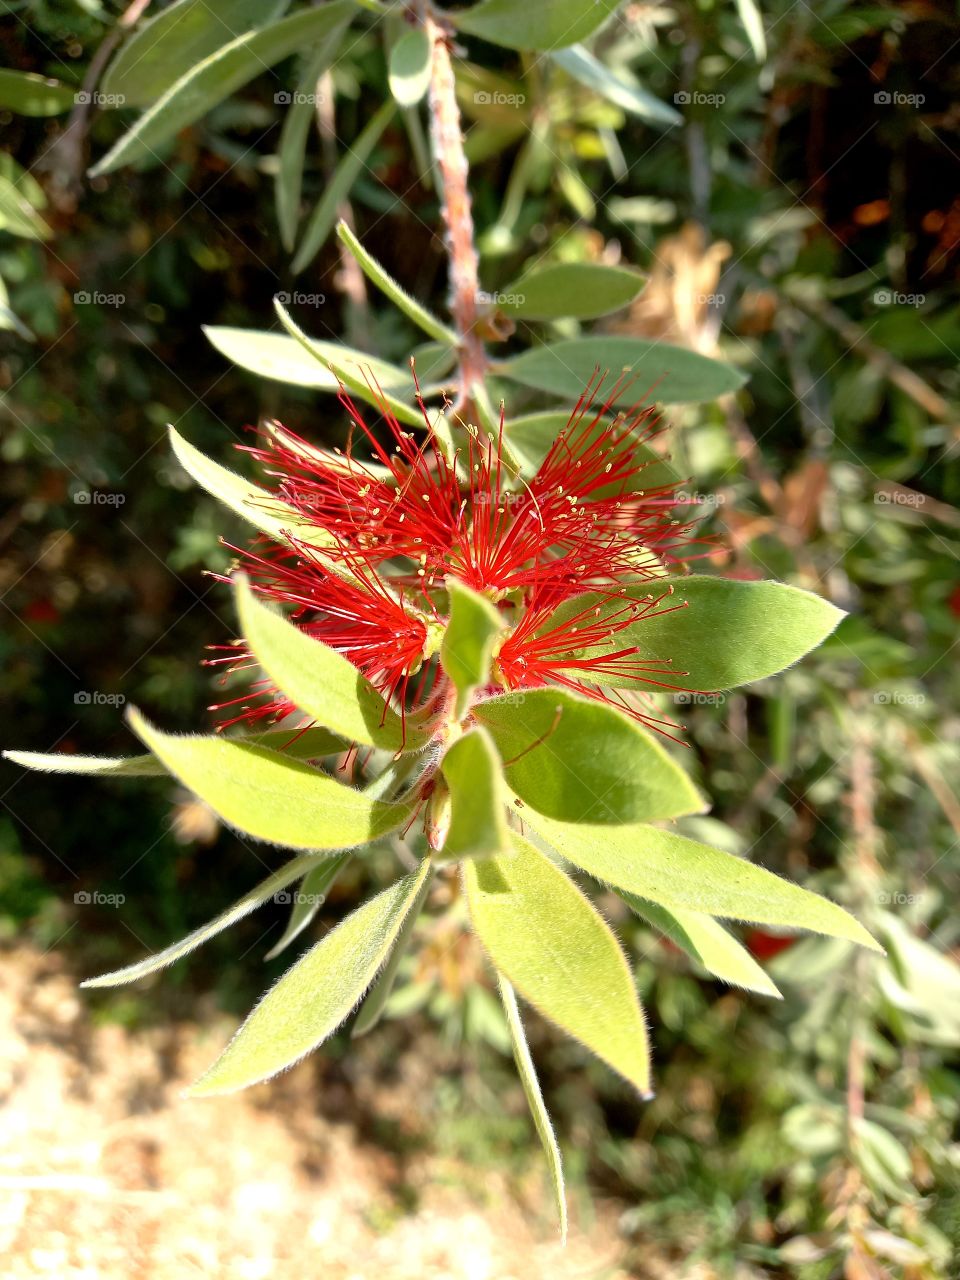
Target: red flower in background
<point>395,527</point>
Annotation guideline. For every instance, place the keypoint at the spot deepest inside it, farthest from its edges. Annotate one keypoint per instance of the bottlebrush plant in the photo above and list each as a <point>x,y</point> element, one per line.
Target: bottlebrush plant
<point>454,633</point>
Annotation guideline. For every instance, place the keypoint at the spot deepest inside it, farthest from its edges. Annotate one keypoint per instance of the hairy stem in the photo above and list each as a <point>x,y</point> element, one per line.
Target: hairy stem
<point>446,135</point>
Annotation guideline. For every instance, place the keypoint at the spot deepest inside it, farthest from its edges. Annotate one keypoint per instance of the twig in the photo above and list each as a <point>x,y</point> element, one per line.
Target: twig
<point>446,136</point>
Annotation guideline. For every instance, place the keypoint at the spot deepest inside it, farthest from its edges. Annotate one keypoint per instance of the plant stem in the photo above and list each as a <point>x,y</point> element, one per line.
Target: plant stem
<point>446,135</point>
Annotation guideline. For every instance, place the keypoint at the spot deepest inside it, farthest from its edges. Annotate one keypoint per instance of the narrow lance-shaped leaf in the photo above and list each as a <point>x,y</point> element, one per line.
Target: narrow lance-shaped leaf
<point>172,42</point>
<point>467,648</point>
<point>292,149</point>
<point>216,77</point>
<point>531,1088</point>
<point>309,744</point>
<point>320,223</point>
<point>706,940</point>
<point>478,824</point>
<point>680,873</point>
<point>402,300</point>
<point>590,71</point>
<point>359,373</point>
<point>577,760</point>
<point>549,24</point>
<point>717,633</point>
<point>543,934</point>
<point>242,907</point>
<point>29,94</point>
<point>314,997</point>
<point>309,899</point>
<point>582,289</point>
<point>666,373</point>
<point>267,796</point>
<point>372,1008</point>
<point>319,680</point>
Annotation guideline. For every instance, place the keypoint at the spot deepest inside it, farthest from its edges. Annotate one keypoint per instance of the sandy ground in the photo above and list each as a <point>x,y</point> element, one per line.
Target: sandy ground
<point>105,1171</point>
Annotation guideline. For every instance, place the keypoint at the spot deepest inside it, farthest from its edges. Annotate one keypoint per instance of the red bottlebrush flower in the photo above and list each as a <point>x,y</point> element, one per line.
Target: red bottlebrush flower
<point>397,526</point>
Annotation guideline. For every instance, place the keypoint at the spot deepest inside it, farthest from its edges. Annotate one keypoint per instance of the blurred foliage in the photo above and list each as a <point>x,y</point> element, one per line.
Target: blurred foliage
<point>801,222</point>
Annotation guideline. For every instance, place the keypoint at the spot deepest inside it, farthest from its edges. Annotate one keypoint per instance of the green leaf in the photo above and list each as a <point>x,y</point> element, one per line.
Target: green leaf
<point>200,89</point>
<point>268,796</point>
<point>258,506</point>
<point>707,941</point>
<point>752,21</point>
<point>309,899</point>
<point>543,934</point>
<point>467,648</point>
<point>320,681</point>
<point>680,873</point>
<point>538,1110</point>
<point>718,633</point>
<point>314,997</point>
<point>582,289</point>
<point>309,744</point>
<point>531,436</point>
<point>360,373</point>
<point>242,907</point>
<point>616,88</point>
<point>17,214</point>
<point>662,372</point>
<point>548,24</point>
<point>172,42</point>
<point>320,223</point>
<point>372,269</point>
<point>409,72</point>
<point>292,149</point>
<point>372,1008</point>
<point>478,822</point>
<point>31,95</point>
<point>581,761</point>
